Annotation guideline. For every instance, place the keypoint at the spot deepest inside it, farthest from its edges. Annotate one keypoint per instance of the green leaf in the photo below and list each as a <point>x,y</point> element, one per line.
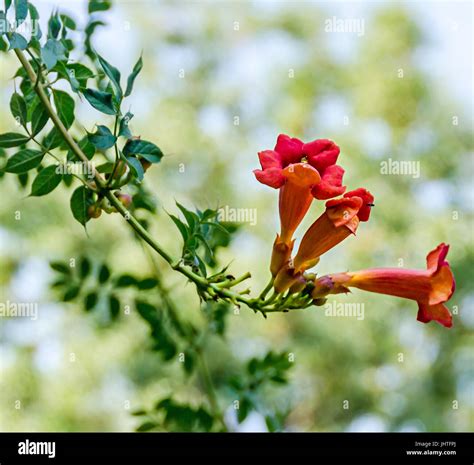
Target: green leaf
<point>104,274</point>
<point>12,139</point>
<point>84,267</point>
<point>146,426</point>
<point>71,293</point>
<point>52,51</point>
<point>18,108</point>
<point>131,79</point>
<point>23,161</point>
<point>39,118</point>
<point>124,130</point>
<point>46,181</point>
<point>113,74</point>
<point>136,167</point>
<point>98,5</point>
<point>80,201</point>
<point>17,41</point>
<point>114,306</point>
<point>90,301</point>
<point>148,283</point>
<point>64,106</point>
<point>126,280</point>
<point>181,226</point>
<point>80,73</point>
<point>53,139</point>
<point>100,100</point>
<point>60,267</point>
<point>21,10</point>
<point>145,149</point>
<point>7,4</point>
<point>68,22</point>
<point>87,148</point>
<point>103,139</point>
<point>54,26</point>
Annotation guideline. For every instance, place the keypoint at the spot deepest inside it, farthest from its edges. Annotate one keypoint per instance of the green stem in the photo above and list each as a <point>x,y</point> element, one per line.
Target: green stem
<point>200,282</point>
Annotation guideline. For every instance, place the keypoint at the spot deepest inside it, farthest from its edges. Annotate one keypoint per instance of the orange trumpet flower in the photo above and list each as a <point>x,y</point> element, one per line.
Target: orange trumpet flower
<point>431,288</point>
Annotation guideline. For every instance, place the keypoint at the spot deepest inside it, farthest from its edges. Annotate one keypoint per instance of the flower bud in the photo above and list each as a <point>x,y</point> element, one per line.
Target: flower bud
<point>94,211</point>
<point>125,199</point>
<point>280,255</point>
<point>299,285</point>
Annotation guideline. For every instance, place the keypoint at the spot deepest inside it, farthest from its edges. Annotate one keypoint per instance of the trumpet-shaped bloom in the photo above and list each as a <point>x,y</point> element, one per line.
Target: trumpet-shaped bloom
<point>301,172</point>
<point>431,288</point>
<point>339,221</point>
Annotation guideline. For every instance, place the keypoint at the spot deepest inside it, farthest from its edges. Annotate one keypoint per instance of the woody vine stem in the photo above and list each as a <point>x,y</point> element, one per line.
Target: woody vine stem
<point>206,287</point>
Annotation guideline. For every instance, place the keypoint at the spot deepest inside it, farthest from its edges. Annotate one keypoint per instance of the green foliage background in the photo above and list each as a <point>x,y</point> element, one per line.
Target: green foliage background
<point>273,66</point>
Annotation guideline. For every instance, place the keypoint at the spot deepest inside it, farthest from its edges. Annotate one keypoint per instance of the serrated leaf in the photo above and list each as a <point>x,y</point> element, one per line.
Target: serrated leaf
<point>64,106</point>
<point>145,149</point>
<point>18,108</point>
<point>131,79</point>
<point>23,161</point>
<point>80,202</point>
<point>113,74</point>
<point>12,139</point>
<point>100,100</point>
<point>46,181</point>
<point>39,118</point>
<point>103,139</point>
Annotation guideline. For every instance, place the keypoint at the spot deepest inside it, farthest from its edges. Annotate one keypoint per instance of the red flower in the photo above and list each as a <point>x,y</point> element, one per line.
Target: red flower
<point>320,154</point>
<point>301,172</point>
<point>431,288</point>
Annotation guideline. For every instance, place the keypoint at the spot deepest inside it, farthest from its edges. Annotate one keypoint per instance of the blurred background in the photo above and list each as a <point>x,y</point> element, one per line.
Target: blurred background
<point>220,81</point>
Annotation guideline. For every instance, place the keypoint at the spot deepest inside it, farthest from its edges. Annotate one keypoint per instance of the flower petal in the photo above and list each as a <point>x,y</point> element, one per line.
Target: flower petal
<point>436,257</point>
<point>321,153</point>
<point>302,174</point>
<point>331,183</point>
<point>438,313</point>
<point>341,211</point>
<point>271,177</point>
<point>270,159</point>
<point>290,149</point>
<point>367,202</point>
